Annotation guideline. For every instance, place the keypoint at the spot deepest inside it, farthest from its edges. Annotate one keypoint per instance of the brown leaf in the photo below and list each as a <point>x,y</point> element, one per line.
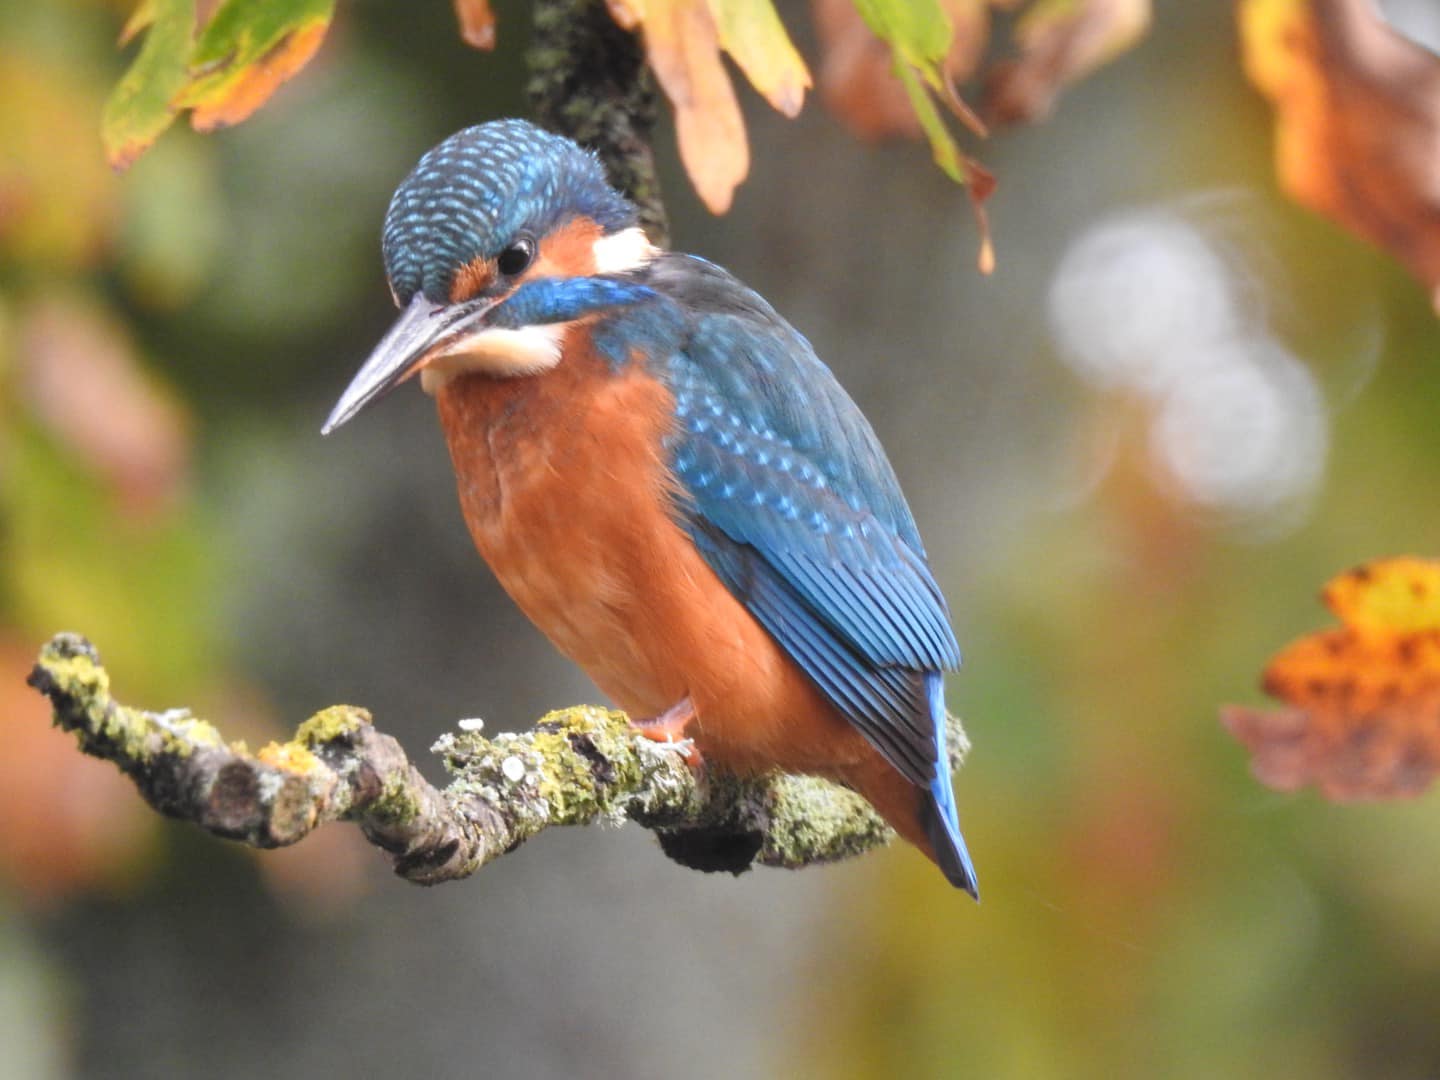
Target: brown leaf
<point>79,374</point>
<point>1363,715</point>
<point>1061,42</point>
<point>1357,109</point>
<point>477,23</point>
<point>683,47</point>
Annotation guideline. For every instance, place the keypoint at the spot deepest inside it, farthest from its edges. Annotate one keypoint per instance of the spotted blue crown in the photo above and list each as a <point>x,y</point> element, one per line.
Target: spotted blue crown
<point>470,197</point>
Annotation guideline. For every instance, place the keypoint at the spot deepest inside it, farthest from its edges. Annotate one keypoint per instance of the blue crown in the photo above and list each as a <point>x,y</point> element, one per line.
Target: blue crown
<point>470,196</point>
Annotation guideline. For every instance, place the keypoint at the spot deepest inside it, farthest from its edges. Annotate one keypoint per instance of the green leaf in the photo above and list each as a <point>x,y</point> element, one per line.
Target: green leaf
<point>918,30</point>
<point>248,49</point>
<point>141,106</point>
<point>942,144</point>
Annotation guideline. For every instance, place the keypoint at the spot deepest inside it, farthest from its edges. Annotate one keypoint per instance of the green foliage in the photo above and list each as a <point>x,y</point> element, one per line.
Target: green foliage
<point>919,34</point>
<point>141,106</point>
<point>246,50</point>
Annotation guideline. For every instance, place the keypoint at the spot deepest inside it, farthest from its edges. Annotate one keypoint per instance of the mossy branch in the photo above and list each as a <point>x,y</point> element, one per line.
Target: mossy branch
<point>577,766</point>
<point>589,80</point>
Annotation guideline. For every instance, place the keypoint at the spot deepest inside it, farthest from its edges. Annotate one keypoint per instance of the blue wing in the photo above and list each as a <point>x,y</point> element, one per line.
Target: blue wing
<point>798,511</point>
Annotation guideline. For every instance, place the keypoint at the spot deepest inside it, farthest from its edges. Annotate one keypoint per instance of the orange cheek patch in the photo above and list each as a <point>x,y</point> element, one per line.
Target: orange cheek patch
<point>569,251</point>
<point>471,279</point>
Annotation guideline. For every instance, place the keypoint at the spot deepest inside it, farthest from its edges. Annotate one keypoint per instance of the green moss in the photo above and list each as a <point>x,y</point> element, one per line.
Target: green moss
<point>397,803</point>
<point>330,725</point>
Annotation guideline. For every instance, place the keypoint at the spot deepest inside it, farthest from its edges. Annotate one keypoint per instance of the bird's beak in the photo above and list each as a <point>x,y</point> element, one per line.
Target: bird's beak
<point>423,330</point>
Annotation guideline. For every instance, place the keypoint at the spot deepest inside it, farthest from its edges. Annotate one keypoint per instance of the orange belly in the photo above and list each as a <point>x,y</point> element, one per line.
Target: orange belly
<point>568,498</point>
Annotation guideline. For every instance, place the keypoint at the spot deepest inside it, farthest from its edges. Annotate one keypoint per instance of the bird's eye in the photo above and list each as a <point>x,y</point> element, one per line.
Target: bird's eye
<point>516,258</point>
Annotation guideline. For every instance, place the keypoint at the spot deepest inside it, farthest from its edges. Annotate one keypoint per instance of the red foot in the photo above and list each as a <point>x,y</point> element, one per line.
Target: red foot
<point>669,727</point>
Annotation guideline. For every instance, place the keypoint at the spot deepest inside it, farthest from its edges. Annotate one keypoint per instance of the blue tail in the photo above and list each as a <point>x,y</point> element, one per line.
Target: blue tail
<point>941,821</point>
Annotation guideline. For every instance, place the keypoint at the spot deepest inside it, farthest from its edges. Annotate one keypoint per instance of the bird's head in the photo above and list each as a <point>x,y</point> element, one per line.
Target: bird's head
<point>491,209</point>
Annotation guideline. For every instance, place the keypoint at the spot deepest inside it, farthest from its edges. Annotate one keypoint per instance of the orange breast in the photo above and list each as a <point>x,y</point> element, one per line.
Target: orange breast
<point>567,495</point>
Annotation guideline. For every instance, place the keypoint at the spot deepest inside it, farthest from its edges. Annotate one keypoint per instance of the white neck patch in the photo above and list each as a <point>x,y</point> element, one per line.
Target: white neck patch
<point>629,249</point>
<point>500,352</point>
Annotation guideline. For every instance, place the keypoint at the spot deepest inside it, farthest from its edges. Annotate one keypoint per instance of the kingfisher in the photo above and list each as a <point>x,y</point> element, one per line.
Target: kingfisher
<point>667,480</point>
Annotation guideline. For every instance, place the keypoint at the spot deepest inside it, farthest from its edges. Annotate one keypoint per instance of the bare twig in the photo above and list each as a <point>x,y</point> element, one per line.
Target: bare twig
<point>577,766</point>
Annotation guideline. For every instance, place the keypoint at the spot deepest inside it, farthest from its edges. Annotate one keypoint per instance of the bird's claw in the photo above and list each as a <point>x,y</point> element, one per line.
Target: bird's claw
<point>686,747</point>
<point>668,729</point>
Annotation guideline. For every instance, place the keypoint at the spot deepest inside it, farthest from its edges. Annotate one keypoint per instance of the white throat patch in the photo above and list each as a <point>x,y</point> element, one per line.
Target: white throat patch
<point>500,352</point>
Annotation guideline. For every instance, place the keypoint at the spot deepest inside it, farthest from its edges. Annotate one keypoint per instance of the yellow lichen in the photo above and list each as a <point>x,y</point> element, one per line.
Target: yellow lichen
<point>290,756</point>
<point>331,724</point>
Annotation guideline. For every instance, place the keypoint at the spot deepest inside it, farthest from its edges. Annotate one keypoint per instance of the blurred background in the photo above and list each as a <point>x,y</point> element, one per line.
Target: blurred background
<point>1136,452</point>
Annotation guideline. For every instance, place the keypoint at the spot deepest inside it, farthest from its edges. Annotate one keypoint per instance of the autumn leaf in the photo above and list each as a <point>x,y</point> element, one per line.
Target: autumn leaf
<point>682,45</point>
<point>141,106</point>
<point>1362,715</point>
<point>245,52</point>
<point>1357,114</point>
<point>246,49</point>
<point>683,42</point>
<point>1061,42</point>
<point>751,32</point>
<point>477,23</point>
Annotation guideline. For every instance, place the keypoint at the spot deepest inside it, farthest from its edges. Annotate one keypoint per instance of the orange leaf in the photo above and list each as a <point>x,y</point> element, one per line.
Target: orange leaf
<point>683,47</point>
<point>1363,716</point>
<point>1061,41</point>
<point>228,100</point>
<point>477,23</point>
<point>1357,112</point>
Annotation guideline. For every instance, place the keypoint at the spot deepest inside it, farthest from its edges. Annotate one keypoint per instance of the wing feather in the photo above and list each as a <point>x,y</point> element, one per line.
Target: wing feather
<point>792,502</point>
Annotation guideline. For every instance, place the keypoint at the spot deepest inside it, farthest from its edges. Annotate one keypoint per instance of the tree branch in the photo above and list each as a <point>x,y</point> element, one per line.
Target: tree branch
<point>577,766</point>
<point>589,80</point>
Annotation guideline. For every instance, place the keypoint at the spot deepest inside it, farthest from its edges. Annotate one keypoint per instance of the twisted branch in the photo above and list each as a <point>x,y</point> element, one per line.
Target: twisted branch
<point>577,766</point>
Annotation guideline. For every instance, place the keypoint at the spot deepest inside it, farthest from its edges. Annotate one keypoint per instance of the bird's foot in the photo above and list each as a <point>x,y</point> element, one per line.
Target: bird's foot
<point>669,729</point>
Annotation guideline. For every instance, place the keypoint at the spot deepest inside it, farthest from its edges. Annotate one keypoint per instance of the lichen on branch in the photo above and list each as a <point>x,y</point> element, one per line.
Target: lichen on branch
<point>579,766</point>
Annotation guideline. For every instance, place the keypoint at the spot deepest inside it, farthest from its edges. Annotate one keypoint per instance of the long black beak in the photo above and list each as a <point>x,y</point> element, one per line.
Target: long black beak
<point>424,329</point>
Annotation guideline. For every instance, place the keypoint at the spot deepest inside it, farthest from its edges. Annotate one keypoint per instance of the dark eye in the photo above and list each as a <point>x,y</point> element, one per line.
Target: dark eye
<point>516,258</point>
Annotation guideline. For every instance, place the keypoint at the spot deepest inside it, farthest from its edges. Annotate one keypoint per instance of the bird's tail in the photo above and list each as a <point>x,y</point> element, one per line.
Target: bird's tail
<point>938,815</point>
<point>925,817</point>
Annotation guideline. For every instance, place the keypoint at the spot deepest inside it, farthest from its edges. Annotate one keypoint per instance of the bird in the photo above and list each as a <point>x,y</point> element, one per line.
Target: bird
<point>667,479</point>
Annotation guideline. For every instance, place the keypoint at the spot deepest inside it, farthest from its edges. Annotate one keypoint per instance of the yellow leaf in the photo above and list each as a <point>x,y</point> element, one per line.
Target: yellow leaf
<point>683,47</point>
<point>1400,595</point>
<point>751,32</point>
